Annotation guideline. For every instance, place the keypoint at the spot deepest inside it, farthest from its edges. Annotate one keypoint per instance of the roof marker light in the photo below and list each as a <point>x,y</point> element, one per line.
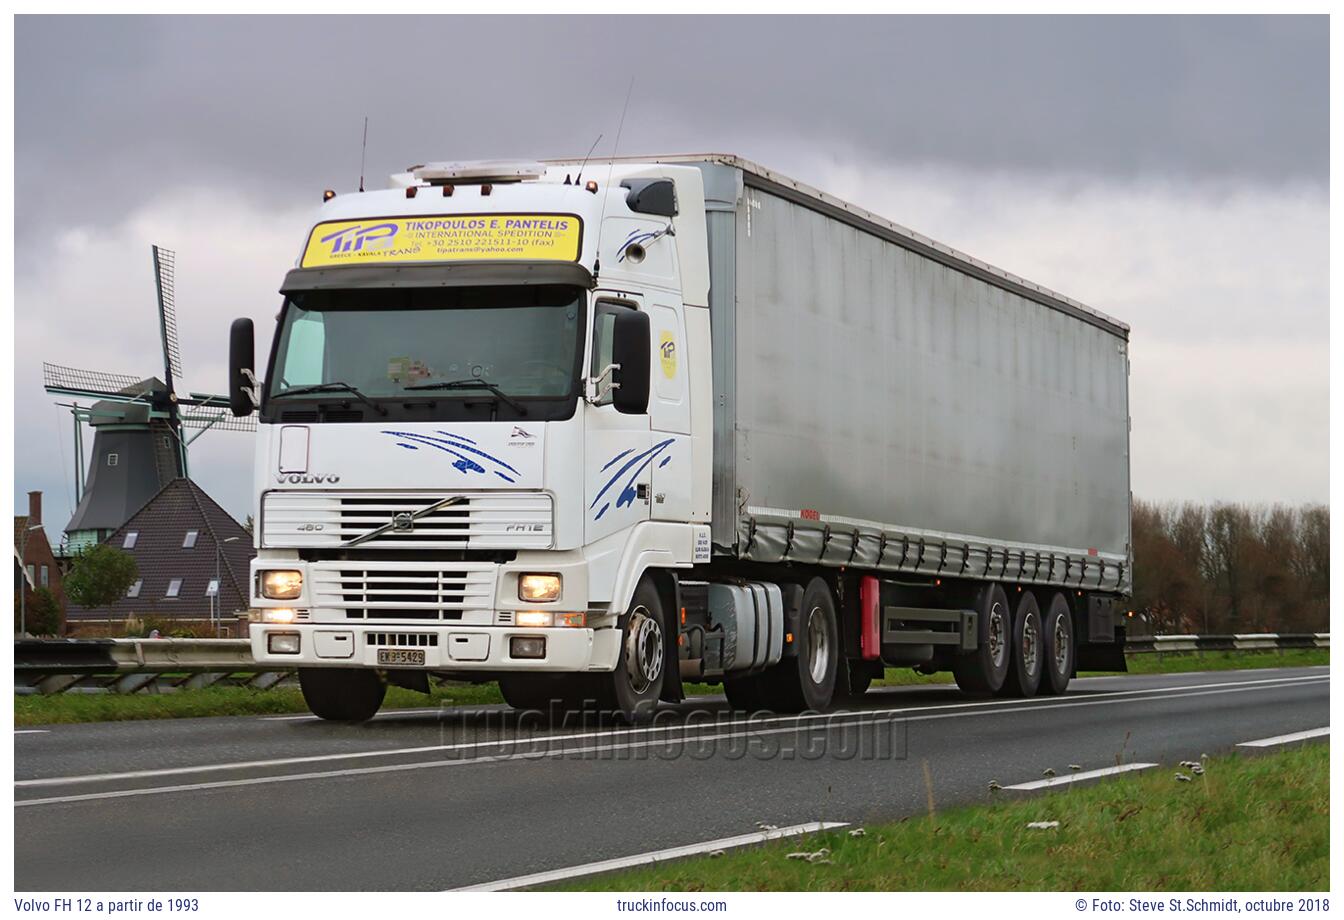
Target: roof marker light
<point>328,194</point>
<point>591,185</point>
<point>410,191</point>
<point>448,191</point>
<point>486,188</point>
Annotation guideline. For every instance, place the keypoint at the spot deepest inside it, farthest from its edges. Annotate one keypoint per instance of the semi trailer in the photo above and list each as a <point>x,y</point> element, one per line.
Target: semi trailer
<point>596,430</point>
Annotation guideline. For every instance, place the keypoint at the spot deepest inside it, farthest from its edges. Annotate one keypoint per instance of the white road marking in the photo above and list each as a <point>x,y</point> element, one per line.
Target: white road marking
<point>657,856</point>
<point>604,747</point>
<point>32,731</point>
<point>1050,781</point>
<point>982,707</point>
<point>1286,739</point>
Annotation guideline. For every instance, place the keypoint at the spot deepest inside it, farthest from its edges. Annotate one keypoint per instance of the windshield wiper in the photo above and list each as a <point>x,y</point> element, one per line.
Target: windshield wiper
<point>473,383</point>
<point>335,386</point>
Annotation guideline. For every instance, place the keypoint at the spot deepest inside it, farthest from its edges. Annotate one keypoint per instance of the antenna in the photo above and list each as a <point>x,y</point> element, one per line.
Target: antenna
<point>611,164</point>
<point>363,149</point>
<point>585,159</point>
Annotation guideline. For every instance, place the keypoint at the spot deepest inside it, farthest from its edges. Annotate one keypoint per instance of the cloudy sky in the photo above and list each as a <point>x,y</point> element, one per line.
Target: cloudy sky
<point>1170,171</point>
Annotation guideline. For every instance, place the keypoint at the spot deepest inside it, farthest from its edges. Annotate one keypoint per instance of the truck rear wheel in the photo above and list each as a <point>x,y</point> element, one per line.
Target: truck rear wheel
<point>985,669</point>
<point>342,694</point>
<point>1027,658</point>
<point>637,682</point>
<point>808,680</point>
<point>1057,629</point>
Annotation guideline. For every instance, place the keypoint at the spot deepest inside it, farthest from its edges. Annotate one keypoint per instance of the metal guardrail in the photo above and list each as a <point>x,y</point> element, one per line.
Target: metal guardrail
<point>164,665</point>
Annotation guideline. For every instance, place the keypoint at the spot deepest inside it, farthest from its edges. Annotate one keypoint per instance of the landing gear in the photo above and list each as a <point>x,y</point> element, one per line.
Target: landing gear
<point>342,694</point>
<point>985,669</point>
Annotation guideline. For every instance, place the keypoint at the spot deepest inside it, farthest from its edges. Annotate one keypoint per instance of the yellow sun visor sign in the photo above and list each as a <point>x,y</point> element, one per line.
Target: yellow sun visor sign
<point>445,238</point>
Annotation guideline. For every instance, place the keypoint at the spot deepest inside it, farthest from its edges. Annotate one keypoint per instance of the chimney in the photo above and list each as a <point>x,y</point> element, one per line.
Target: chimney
<point>34,508</point>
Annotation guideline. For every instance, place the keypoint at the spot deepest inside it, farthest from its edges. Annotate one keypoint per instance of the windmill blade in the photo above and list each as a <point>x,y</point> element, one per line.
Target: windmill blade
<point>79,382</point>
<point>165,262</point>
<point>217,419</point>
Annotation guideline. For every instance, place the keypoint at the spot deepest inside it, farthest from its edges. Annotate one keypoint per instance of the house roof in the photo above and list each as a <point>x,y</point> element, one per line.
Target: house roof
<point>161,527</point>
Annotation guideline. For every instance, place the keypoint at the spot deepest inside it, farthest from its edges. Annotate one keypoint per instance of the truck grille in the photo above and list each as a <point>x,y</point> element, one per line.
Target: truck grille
<point>393,591</point>
<point>479,520</point>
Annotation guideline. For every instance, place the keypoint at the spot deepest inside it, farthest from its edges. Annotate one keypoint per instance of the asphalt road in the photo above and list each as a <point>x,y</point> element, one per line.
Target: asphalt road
<point>435,800</point>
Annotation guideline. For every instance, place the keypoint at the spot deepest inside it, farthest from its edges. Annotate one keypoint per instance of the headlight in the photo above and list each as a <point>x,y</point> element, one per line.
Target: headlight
<point>281,584</point>
<point>538,587</point>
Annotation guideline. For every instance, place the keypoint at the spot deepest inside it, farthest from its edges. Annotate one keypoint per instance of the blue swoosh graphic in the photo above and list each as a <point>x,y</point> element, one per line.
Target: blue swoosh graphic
<point>638,462</point>
<point>457,446</point>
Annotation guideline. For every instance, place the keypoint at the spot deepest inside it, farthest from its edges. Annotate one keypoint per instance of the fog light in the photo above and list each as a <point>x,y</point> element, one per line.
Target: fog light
<point>281,584</point>
<point>527,647</point>
<point>538,587</point>
<point>534,618</point>
<point>278,643</point>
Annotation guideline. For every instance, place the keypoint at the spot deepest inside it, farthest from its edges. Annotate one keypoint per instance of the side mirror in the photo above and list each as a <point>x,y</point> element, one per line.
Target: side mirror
<point>631,346</point>
<point>242,355</point>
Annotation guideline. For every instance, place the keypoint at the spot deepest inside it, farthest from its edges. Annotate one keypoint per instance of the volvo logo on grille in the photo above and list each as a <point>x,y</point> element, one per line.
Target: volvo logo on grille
<point>403,522</point>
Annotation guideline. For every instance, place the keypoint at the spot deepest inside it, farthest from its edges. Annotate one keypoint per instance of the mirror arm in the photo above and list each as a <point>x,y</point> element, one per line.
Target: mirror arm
<point>253,390</point>
<point>595,390</point>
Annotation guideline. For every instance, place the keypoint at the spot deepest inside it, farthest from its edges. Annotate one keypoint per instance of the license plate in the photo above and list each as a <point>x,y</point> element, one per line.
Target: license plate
<point>402,656</point>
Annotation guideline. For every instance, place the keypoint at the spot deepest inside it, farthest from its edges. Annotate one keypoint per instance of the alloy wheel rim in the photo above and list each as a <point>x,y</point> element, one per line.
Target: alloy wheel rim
<point>818,645</point>
<point>644,650</point>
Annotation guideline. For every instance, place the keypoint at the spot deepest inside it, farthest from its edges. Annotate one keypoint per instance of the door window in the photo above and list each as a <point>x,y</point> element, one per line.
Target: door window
<point>604,322</point>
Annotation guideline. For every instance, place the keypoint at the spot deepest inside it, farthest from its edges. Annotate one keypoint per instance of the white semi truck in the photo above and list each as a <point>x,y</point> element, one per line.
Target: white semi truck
<point>593,432</point>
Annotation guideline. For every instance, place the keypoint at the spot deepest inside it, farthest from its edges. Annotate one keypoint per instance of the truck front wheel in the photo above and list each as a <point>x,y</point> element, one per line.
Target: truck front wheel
<point>637,682</point>
<point>342,694</point>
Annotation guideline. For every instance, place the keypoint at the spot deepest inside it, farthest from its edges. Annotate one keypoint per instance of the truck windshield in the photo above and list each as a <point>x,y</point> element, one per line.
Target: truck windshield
<point>418,352</point>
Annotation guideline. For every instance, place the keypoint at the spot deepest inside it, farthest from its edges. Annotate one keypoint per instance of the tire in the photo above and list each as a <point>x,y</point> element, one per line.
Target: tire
<point>342,694</point>
<point>985,669</point>
<point>633,688</point>
<point>1028,656</point>
<point>745,694</point>
<point>808,681</point>
<point>1059,646</point>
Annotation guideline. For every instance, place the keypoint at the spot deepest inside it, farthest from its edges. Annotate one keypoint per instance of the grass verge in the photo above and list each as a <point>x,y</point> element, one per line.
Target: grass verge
<point>219,701</point>
<point>1248,824</point>
<point>242,701</point>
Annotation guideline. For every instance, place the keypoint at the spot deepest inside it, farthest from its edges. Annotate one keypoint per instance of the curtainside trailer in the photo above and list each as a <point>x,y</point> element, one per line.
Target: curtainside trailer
<point>591,432</point>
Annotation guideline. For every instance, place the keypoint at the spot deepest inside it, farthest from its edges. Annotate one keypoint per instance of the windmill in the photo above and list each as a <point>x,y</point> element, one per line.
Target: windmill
<point>140,426</point>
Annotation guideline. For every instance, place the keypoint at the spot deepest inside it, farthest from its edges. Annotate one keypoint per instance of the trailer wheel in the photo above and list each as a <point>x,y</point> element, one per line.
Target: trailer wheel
<point>634,687</point>
<point>1027,660</point>
<point>342,694</point>
<point>1057,626</point>
<point>985,669</point>
<point>809,680</point>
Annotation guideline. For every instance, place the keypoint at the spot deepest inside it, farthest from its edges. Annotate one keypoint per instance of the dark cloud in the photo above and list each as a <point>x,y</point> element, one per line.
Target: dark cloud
<point>274,105</point>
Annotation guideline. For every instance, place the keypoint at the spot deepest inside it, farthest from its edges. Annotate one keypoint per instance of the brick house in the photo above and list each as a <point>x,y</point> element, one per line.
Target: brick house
<point>35,564</point>
<point>189,552</point>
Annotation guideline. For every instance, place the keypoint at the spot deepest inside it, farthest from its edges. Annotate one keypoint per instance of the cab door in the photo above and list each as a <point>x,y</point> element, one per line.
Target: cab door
<point>618,454</point>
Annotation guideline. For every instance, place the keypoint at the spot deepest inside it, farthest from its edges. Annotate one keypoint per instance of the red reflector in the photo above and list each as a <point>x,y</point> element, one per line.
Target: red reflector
<point>870,644</point>
<point>808,514</point>
<point>1091,550</point>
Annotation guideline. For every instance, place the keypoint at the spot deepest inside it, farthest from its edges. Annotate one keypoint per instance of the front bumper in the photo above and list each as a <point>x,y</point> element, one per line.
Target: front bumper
<point>446,647</point>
